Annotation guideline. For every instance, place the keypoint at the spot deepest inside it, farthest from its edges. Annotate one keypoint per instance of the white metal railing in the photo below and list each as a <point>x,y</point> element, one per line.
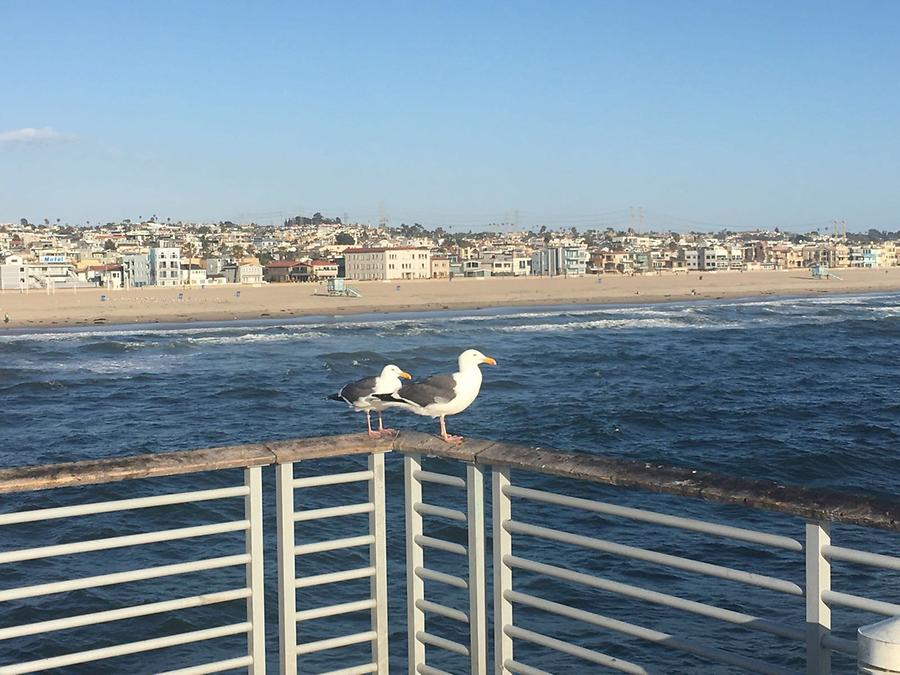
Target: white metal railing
<point>472,555</point>
<point>251,592</point>
<point>375,540</point>
<point>332,570</point>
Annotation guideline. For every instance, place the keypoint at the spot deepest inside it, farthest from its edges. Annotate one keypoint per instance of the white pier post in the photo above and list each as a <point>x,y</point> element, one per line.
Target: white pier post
<point>378,560</point>
<point>287,591</point>
<point>415,587</point>
<point>878,647</point>
<point>477,599</point>
<point>502,540</point>
<point>256,639</point>
<point>818,613</point>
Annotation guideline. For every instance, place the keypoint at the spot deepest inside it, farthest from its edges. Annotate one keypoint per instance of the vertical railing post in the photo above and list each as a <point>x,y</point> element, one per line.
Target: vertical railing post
<point>502,543</point>
<point>818,613</point>
<point>415,587</point>
<point>477,600</point>
<point>378,558</point>
<point>287,591</point>
<point>256,639</point>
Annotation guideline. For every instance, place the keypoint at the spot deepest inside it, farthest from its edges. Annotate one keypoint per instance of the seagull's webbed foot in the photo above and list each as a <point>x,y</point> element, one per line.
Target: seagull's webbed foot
<point>374,434</point>
<point>450,438</point>
<point>387,431</point>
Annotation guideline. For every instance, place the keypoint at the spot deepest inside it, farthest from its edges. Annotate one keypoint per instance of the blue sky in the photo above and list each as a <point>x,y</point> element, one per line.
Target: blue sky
<point>727,113</point>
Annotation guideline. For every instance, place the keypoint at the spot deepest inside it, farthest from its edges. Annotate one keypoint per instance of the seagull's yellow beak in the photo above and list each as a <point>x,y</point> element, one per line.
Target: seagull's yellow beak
<point>488,360</point>
<point>404,375</point>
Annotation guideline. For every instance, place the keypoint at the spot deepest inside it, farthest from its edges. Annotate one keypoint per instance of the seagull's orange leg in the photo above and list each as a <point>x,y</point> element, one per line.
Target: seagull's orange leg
<point>447,437</point>
<point>381,427</point>
<point>372,432</point>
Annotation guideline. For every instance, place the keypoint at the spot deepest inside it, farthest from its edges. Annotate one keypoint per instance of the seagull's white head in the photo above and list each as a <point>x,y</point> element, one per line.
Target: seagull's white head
<point>472,358</point>
<point>393,371</point>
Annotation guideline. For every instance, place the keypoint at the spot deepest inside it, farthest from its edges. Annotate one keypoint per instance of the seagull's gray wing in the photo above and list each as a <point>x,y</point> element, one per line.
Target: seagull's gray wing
<point>358,390</point>
<point>435,389</point>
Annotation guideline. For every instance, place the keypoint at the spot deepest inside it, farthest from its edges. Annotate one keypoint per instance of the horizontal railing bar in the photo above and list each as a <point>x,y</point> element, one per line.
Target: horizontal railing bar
<point>127,648</point>
<point>123,577</point>
<point>215,667</point>
<point>119,542</point>
<point>334,544</point>
<point>440,544</point>
<point>121,505</point>
<point>676,562</point>
<point>425,669</point>
<point>355,670</point>
<point>334,610</point>
<point>439,511</point>
<point>657,598</point>
<point>839,644</point>
<point>333,512</point>
<point>648,634</point>
<point>857,602</point>
<point>442,610</point>
<point>334,577</point>
<point>692,524</point>
<point>332,479</point>
<point>431,575</point>
<point>441,643</point>
<point>334,643</point>
<point>887,562</point>
<point>439,478</point>
<point>521,669</point>
<point>574,650</point>
<point>122,613</point>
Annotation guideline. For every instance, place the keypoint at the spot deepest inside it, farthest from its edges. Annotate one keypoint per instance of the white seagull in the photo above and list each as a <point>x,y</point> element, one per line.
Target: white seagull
<point>362,394</point>
<point>442,395</point>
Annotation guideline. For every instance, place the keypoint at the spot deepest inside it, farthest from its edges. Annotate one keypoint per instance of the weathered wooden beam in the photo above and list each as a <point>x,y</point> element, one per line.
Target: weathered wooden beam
<point>300,449</point>
<point>68,474</point>
<point>808,503</point>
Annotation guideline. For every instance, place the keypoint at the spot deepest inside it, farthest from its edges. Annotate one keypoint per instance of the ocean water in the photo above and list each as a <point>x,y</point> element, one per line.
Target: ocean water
<point>797,390</point>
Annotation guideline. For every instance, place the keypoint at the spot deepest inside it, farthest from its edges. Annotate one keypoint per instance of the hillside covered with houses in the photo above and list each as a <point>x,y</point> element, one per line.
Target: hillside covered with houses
<point>153,253</point>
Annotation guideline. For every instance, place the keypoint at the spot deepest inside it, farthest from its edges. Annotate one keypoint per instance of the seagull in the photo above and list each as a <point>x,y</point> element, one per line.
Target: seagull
<point>442,395</point>
<point>361,395</point>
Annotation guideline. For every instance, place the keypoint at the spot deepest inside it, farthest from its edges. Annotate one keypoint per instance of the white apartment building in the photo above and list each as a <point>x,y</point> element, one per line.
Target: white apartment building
<point>165,266</point>
<point>404,262</point>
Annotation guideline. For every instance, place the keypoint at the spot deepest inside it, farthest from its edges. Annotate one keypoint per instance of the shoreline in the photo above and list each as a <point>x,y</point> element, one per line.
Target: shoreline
<point>151,305</point>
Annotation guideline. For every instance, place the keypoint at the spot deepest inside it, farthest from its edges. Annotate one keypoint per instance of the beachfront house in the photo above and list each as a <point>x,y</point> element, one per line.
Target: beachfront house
<point>165,266</point>
<point>281,271</point>
<point>569,261</point>
<point>136,270</point>
<point>382,263</point>
<point>323,270</point>
<point>440,267</point>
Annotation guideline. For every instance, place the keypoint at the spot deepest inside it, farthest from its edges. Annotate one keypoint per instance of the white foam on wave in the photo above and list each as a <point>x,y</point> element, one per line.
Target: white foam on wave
<point>249,338</point>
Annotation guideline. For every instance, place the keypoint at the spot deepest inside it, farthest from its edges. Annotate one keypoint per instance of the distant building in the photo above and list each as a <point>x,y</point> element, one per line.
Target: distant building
<point>558,261</point>
<point>387,263</point>
<point>243,273</point>
<point>136,270</point>
<point>279,271</point>
<point>193,274</point>
<point>440,267</point>
<point>106,276</point>
<point>165,266</point>
<point>322,270</point>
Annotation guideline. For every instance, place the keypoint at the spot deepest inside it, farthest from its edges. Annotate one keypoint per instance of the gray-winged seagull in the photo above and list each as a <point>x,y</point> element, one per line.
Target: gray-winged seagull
<point>442,395</point>
<point>362,395</point>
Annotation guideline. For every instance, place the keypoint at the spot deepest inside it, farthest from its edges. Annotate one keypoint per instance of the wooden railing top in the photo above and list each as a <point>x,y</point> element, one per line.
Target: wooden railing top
<point>809,503</point>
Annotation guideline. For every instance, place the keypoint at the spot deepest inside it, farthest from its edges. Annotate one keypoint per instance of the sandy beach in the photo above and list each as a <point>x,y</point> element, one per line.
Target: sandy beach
<point>220,303</point>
